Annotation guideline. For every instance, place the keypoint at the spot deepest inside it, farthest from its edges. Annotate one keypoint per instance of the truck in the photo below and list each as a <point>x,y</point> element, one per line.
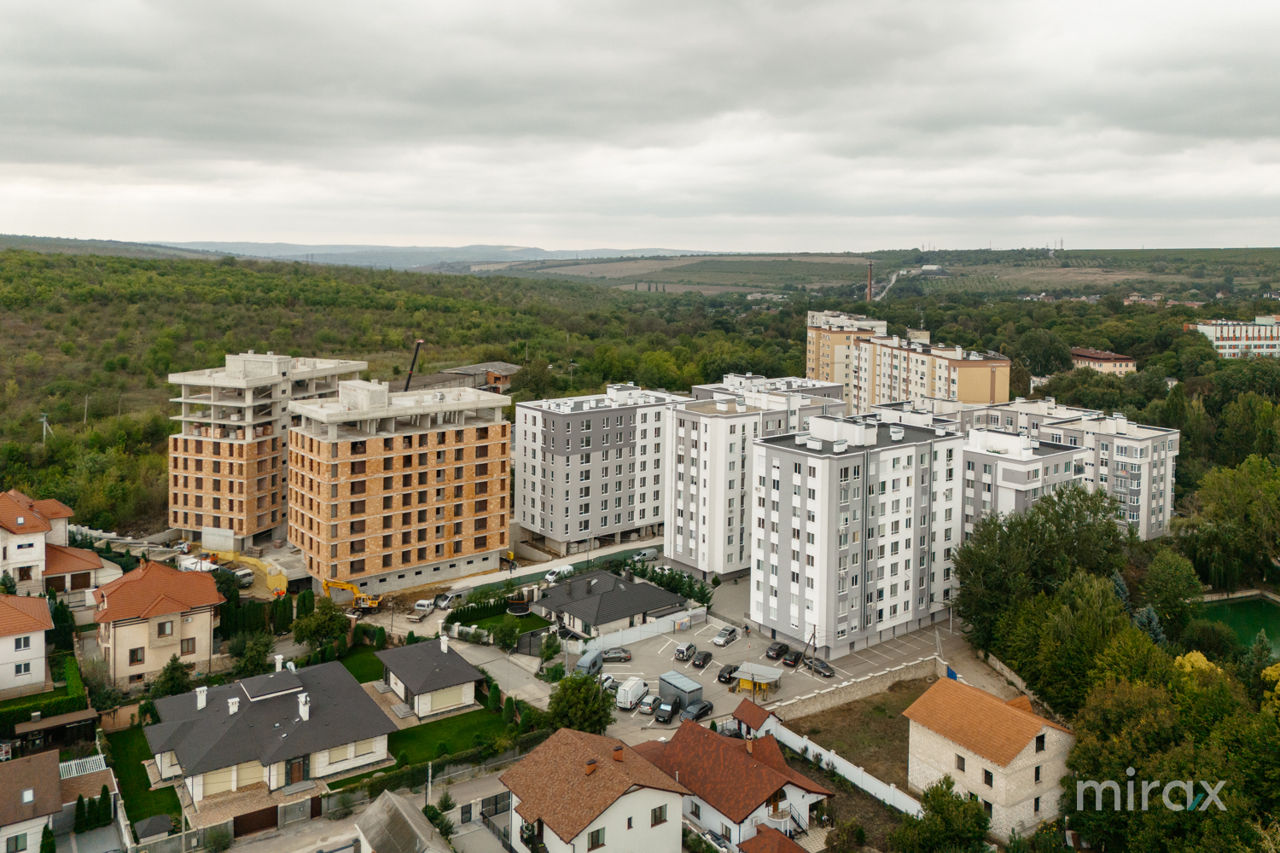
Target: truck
<point>631,692</point>
<point>199,563</point>
<point>677,685</point>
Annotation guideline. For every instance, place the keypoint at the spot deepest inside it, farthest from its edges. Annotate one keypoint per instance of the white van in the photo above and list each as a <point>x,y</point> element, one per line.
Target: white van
<point>645,556</point>
<point>631,692</point>
<point>244,578</point>
<point>556,574</point>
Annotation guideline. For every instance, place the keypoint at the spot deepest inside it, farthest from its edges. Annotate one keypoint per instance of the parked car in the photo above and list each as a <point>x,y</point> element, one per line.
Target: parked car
<point>556,574</point>
<point>645,555</point>
<point>697,710</point>
<point>649,704</point>
<point>733,733</point>
<point>791,658</point>
<point>726,636</point>
<point>776,650</point>
<point>424,605</point>
<point>819,666</point>
<point>617,655</point>
<point>244,578</point>
<point>701,659</point>
<point>727,672</point>
<point>608,682</point>
<point>448,600</point>
<point>717,842</point>
<point>684,651</point>
<point>667,709</point>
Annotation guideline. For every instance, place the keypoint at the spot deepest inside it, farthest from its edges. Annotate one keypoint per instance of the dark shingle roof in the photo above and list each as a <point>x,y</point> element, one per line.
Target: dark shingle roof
<point>269,729</point>
<point>598,598</point>
<point>423,667</point>
<point>392,824</point>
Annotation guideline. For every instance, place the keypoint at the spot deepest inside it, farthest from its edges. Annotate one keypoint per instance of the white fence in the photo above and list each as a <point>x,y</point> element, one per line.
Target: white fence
<point>685,620</point>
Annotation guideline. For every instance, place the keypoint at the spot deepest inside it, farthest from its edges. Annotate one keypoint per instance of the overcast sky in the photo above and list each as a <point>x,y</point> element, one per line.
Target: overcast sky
<point>788,125</point>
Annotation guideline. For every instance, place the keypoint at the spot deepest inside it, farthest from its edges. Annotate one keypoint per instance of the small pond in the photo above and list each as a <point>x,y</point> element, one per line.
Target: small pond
<point>1246,617</point>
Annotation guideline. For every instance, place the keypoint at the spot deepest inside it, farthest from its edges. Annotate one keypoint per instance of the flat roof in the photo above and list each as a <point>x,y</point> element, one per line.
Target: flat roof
<point>329,410</point>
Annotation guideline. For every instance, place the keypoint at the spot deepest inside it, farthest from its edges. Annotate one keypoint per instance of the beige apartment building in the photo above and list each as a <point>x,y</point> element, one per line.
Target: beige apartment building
<point>875,367</point>
<point>392,490</point>
<point>1102,361</point>
<point>227,463</point>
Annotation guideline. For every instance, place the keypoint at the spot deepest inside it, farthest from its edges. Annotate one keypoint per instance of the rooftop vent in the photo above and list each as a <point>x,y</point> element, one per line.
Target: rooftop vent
<point>617,752</point>
<point>897,433</point>
<point>202,697</point>
<point>233,705</point>
<point>591,766</point>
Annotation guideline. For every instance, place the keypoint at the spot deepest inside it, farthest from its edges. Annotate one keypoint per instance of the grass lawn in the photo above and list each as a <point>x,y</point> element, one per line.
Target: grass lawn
<point>128,750</point>
<point>528,622</point>
<point>853,803</point>
<point>20,701</point>
<point>363,664</point>
<point>420,743</point>
<point>870,732</point>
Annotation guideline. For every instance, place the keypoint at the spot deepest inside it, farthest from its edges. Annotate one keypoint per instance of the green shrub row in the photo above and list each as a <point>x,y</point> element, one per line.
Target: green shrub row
<point>48,706</point>
<point>413,775</point>
<point>472,613</point>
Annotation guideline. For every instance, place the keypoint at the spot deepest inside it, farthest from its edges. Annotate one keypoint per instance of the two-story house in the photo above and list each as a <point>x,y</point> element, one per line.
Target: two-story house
<point>265,741</point>
<point>23,621</point>
<point>151,614</point>
<point>1000,753</point>
<point>30,795</point>
<point>580,792</point>
<point>736,787</point>
<point>34,550</point>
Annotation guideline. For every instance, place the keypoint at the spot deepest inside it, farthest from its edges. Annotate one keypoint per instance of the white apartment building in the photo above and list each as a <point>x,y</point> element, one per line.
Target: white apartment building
<point>590,468</point>
<point>854,522</point>
<point>708,463</point>
<point>874,367</point>
<point>1005,473</point>
<point>1134,463</point>
<point>1241,339</point>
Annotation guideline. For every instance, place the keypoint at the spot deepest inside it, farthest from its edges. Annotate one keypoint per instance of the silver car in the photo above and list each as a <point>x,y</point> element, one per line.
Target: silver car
<point>726,636</point>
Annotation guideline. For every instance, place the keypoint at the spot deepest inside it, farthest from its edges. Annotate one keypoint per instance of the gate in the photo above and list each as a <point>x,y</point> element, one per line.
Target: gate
<point>317,807</point>
<point>255,821</point>
<point>531,643</point>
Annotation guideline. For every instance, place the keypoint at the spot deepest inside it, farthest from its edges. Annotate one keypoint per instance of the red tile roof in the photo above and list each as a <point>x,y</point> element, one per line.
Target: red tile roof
<point>978,721</point>
<point>751,715</point>
<point>735,777</point>
<point>15,505</point>
<point>23,614</point>
<point>554,786</point>
<point>769,840</point>
<point>89,785</point>
<point>37,773</point>
<point>154,589</point>
<point>61,560</point>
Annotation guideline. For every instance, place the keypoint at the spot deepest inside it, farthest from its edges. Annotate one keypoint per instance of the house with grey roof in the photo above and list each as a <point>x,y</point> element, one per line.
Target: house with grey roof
<point>598,603</point>
<point>393,824</point>
<point>269,733</point>
<point>431,678</point>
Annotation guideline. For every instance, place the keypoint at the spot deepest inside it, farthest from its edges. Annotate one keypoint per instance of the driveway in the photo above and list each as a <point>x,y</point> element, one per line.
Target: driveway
<point>514,673</point>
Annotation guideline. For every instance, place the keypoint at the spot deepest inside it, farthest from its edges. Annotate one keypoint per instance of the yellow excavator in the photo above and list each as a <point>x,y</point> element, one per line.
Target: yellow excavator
<point>359,600</point>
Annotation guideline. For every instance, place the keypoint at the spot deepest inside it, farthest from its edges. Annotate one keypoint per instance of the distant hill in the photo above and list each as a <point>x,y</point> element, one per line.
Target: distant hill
<point>115,248</point>
<point>412,257</point>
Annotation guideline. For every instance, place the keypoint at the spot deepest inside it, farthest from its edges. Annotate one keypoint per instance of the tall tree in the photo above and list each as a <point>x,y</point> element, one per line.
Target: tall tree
<point>1172,589</point>
<point>579,702</point>
<point>949,822</point>
<point>321,627</point>
<point>173,680</point>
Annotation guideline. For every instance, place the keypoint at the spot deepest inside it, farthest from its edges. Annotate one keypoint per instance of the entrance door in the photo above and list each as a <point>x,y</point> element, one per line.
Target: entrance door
<point>296,770</point>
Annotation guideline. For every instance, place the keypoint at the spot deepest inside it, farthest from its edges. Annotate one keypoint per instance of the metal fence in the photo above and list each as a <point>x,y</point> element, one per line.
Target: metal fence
<point>685,620</point>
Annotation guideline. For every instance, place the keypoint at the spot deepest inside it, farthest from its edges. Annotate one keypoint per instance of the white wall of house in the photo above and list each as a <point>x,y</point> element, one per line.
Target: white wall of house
<point>348,757</point>
<point>636,806</point>
<point>1013,791</point>
<point>22,663</point>
<point>699,812</point>
<point>22,557</point>
<point>446,699</point>
<point>117,639</point>
<point>326,762</point>
<point>32,829</point>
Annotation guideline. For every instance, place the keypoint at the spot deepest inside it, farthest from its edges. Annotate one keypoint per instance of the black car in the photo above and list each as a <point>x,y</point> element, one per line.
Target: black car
<point>791,658</point>
<point>666,711</point>
<point>701,659</point>
<point>726,673</point>
<point>616,655</point>
<point>732,733</point>
<point>776,650</point>
<point>819,666</point>
<point>697,710</point>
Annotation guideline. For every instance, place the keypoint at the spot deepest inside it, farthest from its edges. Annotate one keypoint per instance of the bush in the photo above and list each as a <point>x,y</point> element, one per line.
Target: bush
<point>445,803</point>
<point>553,673</point>
<point>48,705</point>
<point>442,749</point>
<point>438,820</point>
<point>475,612</point>
<point>82,819</point>
<point>402,760</point>
<point>380,638</point>
<point>217,840</point>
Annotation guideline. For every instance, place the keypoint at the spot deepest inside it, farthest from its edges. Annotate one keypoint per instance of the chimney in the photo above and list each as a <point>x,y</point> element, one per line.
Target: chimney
<point>304,706</point>
<point>444,644</point>
<point>202,697</point>
<point>749,746</point>
<point>591,766</point>
<point>617,752</point>
<point>233,705</point>
<point>291,666</point>
<point>279,662</point>
<point>21,521</point>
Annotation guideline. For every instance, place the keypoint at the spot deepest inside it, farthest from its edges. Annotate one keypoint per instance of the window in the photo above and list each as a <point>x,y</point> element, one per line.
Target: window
<point>960,763</point>
<point>21,643</point>
<point>136,656</point>
<point>1037,772</point>
<point>695,810</point>
<point>658,815</point>
<point>1039,743</point>
<point>987,778</point>
<point>20,669</point>
<point>18,842</point>
<point>596,839</point>
<point>1036,804</point>
<point>189,646</point>
<point>164,629</point>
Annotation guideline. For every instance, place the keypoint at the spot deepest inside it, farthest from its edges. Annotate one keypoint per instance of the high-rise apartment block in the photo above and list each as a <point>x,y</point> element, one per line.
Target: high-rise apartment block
<point>227,465</point>
<point>1005,473</point>
<point>1133,463</point>
<point>853,527</point>
<point>709,463</point>
<point>1241,339</point>
<point>590,468</point>
<point>392,490</point>
<point>875,367</point>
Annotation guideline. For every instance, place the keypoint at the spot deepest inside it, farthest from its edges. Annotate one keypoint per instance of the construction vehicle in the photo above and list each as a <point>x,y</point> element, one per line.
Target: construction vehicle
<point>417,345</point>
<point>359,600</point>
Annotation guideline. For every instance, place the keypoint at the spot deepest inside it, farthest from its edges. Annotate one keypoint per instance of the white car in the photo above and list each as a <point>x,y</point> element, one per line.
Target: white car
<point>726,636</point>
<point>556,574</point>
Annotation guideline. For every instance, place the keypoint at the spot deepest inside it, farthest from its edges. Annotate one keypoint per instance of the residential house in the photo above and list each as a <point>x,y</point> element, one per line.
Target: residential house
<point>151,614</point>
<point>265,741</point>
<point>753,719</point>
<point>431,678</point>
<point>393,824</point>
<point>30,796</point>
<point>736,787</point>
<point>1000,753</point>
<point>577,792</point>
<point>769,840</point>
<point>34,550</point>
<point>23,621</point>
<point>600,602</point>
<point>1102,361</point>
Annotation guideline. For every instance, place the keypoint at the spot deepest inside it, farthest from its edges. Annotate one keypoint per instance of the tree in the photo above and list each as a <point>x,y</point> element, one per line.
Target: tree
<point>173,680</point>
<point>81,823</point>
<point>322,626</point>
<point>550,646</point>
<point>8,585</point>
<point>1149,622</point>
<point>507,632</point>
<point>1215,639</point>
<point>1085,617</point>
<point>1172,589</point>
<point>1132,656</point>
<point>1044,352</point>
<point>105,812</point>
<point>579,702</point>
<point>62,635</point>
<point>845,836</point>
<point>438,819</point>
<point>48,843</point>
<point>950,822</point>
<point>255,658</point>
<point>1257,660</point>
<point>509,710</point>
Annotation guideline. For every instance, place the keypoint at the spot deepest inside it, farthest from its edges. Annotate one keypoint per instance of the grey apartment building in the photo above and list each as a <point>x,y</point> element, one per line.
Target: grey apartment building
<point>588,470</point>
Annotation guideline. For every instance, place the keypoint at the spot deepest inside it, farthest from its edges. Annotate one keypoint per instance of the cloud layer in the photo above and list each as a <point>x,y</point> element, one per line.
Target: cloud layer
<point>735,126</point>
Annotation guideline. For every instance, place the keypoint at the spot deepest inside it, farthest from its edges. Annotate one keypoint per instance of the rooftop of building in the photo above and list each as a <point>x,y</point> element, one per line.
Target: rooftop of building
<point>1098,354</point>
<point>837,321</point>
<point>24,614</point>
<point>36,774</point>
<point>250,369</point>
<point>601,597</point>
<point>504,368</point>
<point>364,400</point>
<point>20,514</point>
<point>428,666</point>
<point>620,396</point>
<point>950,353</point>
<point>833,436</point>
<point>979,722</point>
<point>741,382</point>
<point>1260,320</point>
<point>154,589</point>
<point>1012,445</point>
